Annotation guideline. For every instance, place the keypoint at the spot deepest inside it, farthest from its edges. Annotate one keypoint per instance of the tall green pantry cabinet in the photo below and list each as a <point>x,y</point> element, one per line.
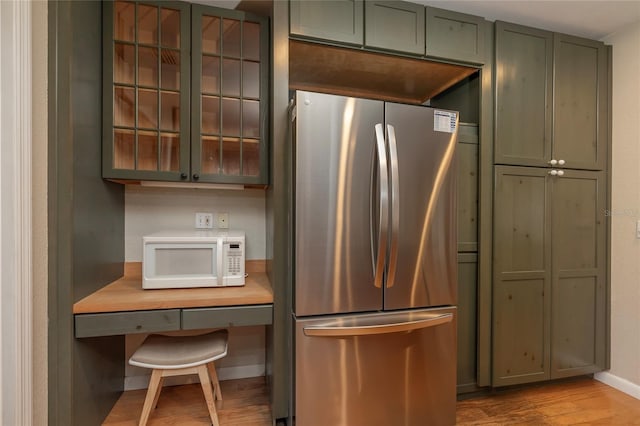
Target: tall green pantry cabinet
<point>550,195</point>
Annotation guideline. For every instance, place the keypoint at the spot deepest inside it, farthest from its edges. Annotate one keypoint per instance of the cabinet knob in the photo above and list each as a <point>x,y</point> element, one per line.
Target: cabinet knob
<point>553,172</point>
<point>560,172</point>
<point>561,162</point>
<point>183,176</point>
<point>553,162</point>
<point>196,176</point>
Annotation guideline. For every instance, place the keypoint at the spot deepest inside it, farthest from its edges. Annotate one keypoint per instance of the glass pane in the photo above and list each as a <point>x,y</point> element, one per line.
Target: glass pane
<point>210,74</point>
<point>124,106</point>
<point>231,156</point>
<point>125,61</point>
<point>147,151</point>
<point>148,66</point>
<point>250,157</point>
<point>231,77</point>
<point>147,108</point>
<point>211,34</point>
<point>250,79</point>
<point>123,23</point>
<point>170,28</point>
<point>251,119</point>
<point>231,117</point>
<point>231,37</point>
<point>210,114</point>
<point>251,41</point>
<point>170,152</point>
<point>124,148</point>
<point>210,155</point>
<point>170,111</point>
<point>147,24</point>
<point>170,62</point>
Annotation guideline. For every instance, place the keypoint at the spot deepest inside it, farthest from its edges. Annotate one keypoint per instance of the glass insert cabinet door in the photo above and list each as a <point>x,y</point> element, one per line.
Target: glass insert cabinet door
<point>228,103</point>
<point>184,93</point>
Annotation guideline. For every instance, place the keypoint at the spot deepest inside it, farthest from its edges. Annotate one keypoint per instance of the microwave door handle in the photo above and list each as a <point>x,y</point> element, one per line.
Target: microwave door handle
<point>219,260</point>
<point>395,205</point>
<point>379,255</point>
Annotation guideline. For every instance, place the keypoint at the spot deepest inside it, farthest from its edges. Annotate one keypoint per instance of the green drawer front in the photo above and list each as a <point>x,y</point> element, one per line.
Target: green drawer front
<point>233,316</point>
<point>110,324</point>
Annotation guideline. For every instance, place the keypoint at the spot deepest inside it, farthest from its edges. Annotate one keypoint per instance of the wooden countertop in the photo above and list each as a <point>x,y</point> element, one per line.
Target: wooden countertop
<point>126,294</point>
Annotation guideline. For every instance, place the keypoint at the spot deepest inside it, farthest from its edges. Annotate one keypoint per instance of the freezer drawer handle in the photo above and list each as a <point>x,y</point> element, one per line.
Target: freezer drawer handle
<point>364,330</point>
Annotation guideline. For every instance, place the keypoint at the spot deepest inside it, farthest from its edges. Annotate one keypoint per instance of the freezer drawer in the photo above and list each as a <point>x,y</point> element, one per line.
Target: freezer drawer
<point>395,368</point>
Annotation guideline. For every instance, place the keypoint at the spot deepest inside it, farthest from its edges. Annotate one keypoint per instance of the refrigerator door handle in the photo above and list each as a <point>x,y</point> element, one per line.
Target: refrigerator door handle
<point>365,329</point>
<point>395,205</point>
<point>379,258</point>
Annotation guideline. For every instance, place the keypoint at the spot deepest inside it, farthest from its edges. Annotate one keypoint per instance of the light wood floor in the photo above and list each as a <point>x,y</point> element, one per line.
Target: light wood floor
<point>246,403</point>
<point>579,402</point>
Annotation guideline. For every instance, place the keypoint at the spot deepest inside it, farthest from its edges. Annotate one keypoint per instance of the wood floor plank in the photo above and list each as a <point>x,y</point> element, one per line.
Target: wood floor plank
<point>578,402</point>
<point>246,403</point>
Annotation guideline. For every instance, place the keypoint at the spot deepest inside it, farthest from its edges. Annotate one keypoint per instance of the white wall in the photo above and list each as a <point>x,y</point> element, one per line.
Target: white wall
<point>625,212</point>
<point>149,210</point>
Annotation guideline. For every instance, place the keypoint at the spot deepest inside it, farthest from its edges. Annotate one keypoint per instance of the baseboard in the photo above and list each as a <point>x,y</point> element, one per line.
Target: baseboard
<point>224,373</point>
<point>619,383</point>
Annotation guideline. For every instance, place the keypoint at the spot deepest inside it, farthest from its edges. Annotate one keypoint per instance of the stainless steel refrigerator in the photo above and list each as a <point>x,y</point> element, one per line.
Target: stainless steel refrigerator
<point>375,262</point>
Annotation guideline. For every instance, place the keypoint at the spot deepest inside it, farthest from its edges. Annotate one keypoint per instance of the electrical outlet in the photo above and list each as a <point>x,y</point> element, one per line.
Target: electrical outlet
<point>204,220</point>
<point>223,220</point>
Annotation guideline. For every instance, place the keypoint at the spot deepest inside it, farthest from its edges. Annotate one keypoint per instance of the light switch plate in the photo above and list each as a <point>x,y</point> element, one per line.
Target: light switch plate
<point>204,220</point>
<point>638,229</point>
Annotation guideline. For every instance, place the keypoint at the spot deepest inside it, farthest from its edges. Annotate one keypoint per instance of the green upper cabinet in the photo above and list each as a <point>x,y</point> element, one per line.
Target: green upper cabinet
<point>334,20</point>
<point>185,93</point>
<point>580,102</point>
<point>395,25</point>
<point>146,90</point>
<point>524,67</point>
<point>455,36</point>
<point>551,99</point>
<point>229,84</point>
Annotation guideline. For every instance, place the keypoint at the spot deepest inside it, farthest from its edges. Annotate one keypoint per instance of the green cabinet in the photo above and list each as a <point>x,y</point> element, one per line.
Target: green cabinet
<point>334,20</point>
<point>467,322</point>
<point>395,25</point>
<point>455,36</point>
<point>580,102</point>
<point>467,156</point>
<point>398,26</point>
<point>467,166</point>
<point>185,93</point>
<point>549,283</point>
<point>551,99</point>
<point>523,87</point>
<point>578,276</point>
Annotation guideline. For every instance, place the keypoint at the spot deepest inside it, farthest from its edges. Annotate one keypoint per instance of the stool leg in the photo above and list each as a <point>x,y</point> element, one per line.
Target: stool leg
<point>155,385</point>
<point>205,382</point>
<point>214,378</point>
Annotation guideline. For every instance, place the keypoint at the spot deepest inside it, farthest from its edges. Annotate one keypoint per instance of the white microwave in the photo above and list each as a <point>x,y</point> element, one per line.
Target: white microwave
<point>193,259</point>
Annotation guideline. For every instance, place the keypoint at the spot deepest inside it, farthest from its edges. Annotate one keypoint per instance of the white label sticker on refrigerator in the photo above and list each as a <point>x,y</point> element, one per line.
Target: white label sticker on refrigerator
<point>444,121</point>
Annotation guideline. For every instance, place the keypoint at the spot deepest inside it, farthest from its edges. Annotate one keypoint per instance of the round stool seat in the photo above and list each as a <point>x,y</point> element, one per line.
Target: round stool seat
<point>174,352</point>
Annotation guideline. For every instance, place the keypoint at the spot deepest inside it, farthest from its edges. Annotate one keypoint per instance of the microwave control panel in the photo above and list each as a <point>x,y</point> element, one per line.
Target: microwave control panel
<point>234,259</point>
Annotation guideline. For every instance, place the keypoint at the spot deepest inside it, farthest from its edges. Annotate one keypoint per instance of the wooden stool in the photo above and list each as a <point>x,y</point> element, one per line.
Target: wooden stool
<point>181,355</point>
